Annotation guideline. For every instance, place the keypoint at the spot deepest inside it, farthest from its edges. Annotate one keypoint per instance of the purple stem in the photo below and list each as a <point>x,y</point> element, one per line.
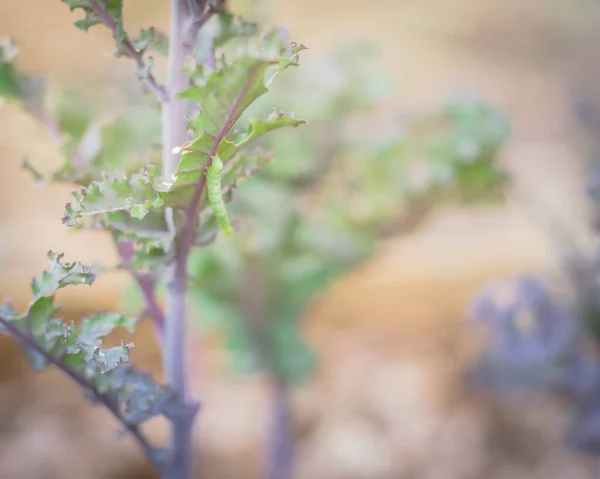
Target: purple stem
<point>280,458</point>
<point>187,17</point>
<point>175,134</point>
<point>146,284</point>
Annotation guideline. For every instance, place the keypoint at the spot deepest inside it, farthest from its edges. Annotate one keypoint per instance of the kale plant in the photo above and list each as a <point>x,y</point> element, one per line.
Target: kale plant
<point>140,175</point>
<point>154,204</point>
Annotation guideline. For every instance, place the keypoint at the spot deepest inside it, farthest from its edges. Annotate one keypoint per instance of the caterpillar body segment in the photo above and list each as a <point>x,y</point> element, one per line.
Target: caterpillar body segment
<point>215,196</point>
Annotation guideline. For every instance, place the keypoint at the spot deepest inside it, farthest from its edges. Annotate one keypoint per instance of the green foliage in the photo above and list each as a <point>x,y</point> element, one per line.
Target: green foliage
<point>59,276</point>
<point>110,14</point>
<point>125,142</point>
<point>477,133</point>
<point>151,39</point>
<point>93,11</point>
<point>14,85</point>
<point>129,200</point>
<point>224,93</point>
<point>102,371</point>
<point>133,194</point>
<point>122,203</point>
<point>9,83</point>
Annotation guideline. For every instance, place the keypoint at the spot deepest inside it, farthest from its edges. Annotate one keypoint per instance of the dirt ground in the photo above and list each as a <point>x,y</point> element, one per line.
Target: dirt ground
<point>387,401</point>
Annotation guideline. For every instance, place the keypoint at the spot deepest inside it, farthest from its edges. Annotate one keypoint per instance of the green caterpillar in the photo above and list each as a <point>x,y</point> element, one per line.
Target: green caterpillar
<point>215,197</point>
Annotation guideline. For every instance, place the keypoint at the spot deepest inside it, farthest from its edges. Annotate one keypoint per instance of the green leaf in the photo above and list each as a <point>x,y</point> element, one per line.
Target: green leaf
<point>151,229</point>
<point>151,39</point>
<point>41,311</point>
<point>134,194</point>
<point>101,324</point>
<point>123,144</point>
<point>273,121</point>
<point>104,371</point>
<point>38,321</point>
<point>73,113</point>
<point>93,330</point>
<point>223,95</point>
<point>60,275</point>
<point>9,82</point>
<point>231,27</point>
<point>97,360</point>
<point>140,395</point>
<point>131,208</point>
<point>15,85</point>
<point>242,167</point>
<point>95,12</point>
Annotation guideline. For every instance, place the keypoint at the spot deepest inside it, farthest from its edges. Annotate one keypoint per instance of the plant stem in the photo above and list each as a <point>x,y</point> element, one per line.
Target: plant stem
<point>175,130</point>
<point>281,448</point>
<point>174,121</point>
<point>176,373</point>
<point>279,455</point>
<point>146,283</point>
<point>187,17</point>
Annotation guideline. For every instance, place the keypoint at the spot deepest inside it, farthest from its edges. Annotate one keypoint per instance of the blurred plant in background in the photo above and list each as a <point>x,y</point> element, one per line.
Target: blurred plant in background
<point>541,337</point>
<point>537,343</point>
